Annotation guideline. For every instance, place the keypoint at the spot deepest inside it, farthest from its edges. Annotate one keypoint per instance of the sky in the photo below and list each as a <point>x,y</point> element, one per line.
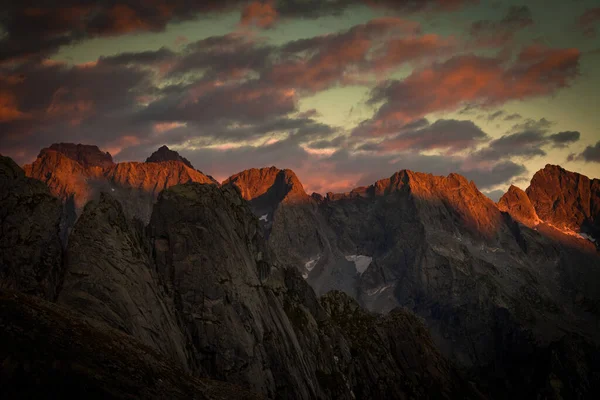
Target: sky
<point>343,92</point>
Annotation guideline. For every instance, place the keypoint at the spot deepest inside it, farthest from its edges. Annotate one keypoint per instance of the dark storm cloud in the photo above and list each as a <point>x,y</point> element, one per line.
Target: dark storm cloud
<point>561,139</point>
<point>528,143</point>
<point>541,125</point>
<point>495,115</point>
<point>38,27</point>
<point>327,144</point>
<point>500,32</point>
<point>224,55</point>
<point>591,153</point>
<point>150,57</point>
<point>56,102</point>
<point>448,135</point>
<point>513,117</point>
<point>202,101</point>
<point>318,8</point>
<point>588,22</point>
<point>500,173</point>
<point>523,144</point>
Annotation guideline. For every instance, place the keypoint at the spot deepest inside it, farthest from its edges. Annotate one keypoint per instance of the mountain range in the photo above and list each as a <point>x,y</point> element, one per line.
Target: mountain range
<point>417,286</point>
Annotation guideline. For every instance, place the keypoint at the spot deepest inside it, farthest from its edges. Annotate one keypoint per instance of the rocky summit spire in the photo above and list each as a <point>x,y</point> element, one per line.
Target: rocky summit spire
<point>166,154</point>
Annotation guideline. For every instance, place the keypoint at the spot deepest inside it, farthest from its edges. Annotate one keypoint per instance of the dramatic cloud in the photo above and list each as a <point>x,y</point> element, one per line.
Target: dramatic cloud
<point>448,135</point>
<point>349,57</point>
<point>232,55</point>
<point>473,80</point>
<point>501,32</point>
<point>562,139</point>
<point>38,27</point>
<point>215,101</point>
<point>498,174</point>
<point>588,22</point>
<point>528,142</point>
<point>591,153</point>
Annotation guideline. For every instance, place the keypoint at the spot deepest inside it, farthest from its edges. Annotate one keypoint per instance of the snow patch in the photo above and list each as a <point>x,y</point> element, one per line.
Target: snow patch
<point>376,291</point>
<point>360,262</point>
<point>587,237</point>
<point>305,275</point>
<point>264,218</point>
<point>309,265</point>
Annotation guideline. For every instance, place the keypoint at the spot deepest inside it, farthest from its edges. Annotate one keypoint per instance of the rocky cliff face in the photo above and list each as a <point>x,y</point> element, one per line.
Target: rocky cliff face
<point>286,213</point>
<point>30,246</point>
<point>566,199</point>
<point>257,323</point>
<point>483,283</point>
<point>79,173</point>
<point>518,205</point>
<point>110,277</point>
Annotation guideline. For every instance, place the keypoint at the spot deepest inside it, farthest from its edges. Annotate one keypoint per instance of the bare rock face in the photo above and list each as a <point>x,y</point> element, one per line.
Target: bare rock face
<point>483,283</point>
<point>165,154</point>
<point>78,174</point>
<point>260,325</point>
<point>208,246</point>
<point>517,204</point>
<point>109,277</point>
<point>286,212</point>
<point>30,246</point>
<point>567,200</point>
<point>66,178</point>
<point>86,155</point>
<point>48,352</point>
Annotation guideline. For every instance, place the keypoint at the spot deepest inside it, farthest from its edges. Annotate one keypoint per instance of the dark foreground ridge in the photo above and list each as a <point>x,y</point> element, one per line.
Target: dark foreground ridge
<point>465,296</point>
<point>197,294</point>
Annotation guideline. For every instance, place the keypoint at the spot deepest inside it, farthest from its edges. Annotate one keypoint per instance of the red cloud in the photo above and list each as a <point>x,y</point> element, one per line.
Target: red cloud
<point>9,110</point>
<point>471,79</point>
<point>351,56</point>
<point>260,14</point>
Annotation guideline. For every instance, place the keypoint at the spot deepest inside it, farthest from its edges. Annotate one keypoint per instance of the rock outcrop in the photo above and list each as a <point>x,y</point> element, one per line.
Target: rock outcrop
<point>516,202</point>
<point>30,246</point>
<point>567,200</point>
<point>110,277</point>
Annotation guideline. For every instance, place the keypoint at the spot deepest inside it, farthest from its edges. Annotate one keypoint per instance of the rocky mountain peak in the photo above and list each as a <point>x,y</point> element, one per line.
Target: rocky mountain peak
<point>565,199</point>
<point>516,202</point>
<point>270,183</point>
<point>166,154</point>
<point>86,155</point>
